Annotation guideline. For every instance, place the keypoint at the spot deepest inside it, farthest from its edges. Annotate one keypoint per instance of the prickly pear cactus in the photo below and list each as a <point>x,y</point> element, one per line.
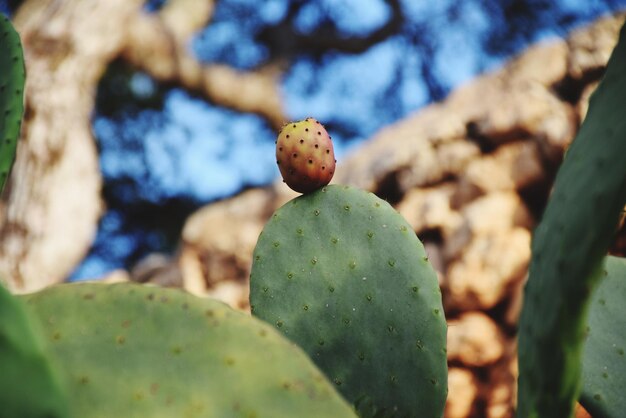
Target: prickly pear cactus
<point>604,359</point>
<point>29,384</point>
<point>129,350</point>
<point>305,155</point>
<point>568,248</point>
<point>12,75</point>
<point>343,275</point>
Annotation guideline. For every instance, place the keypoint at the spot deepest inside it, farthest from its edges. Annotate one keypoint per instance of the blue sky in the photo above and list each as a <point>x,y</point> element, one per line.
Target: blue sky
<point>187,152</point>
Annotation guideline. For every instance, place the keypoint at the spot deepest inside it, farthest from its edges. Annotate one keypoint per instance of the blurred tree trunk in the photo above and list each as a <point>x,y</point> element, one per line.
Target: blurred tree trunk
<point>50,209</point>
<point>52,204</point>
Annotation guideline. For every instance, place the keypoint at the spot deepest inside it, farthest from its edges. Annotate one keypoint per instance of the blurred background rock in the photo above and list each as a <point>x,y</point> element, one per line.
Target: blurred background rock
<point>147,151</point>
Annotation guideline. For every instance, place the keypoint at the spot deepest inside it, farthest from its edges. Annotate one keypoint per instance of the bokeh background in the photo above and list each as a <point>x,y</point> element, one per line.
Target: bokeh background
<point>356,65</point>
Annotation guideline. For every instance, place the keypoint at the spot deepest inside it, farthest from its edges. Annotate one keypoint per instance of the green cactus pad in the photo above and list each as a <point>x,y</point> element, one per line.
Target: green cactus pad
<point>29,385</point>
<point>12,75</point>
<point>141,351</point>
<point>568,248</point>
<point>343,275</point>
<point>604,360</point>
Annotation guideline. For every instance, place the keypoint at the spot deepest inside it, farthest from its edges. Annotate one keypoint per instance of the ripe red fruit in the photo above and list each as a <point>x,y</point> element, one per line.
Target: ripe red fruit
<point>305,156</point>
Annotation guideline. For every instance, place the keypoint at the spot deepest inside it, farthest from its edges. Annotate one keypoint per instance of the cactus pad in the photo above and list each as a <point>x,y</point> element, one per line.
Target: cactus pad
<point>604,360</point>
<point>343,275</point>
<point>12,75</point>
<point>568,249</point>
<point>29,384</point>
<point>141,351</point>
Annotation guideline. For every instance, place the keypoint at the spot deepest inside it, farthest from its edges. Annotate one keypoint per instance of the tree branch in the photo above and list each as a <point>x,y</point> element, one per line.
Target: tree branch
<point>158,45</point>
<point>327,37</point>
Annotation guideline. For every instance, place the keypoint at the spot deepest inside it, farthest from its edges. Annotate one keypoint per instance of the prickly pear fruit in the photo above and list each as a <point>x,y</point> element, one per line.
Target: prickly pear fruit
<point>305,156</point>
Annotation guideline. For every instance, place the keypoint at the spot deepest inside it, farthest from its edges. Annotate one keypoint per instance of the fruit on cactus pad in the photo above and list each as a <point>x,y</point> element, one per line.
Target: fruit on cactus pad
<point>305,155</point>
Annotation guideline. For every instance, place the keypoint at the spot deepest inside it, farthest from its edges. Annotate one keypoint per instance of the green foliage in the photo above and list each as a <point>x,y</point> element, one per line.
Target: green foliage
<point>604,360</point>
<point>129,350</point>
<point>29,386</point>
<point>12,75</point>
<point>343,275</point>
<point>568,248</point>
